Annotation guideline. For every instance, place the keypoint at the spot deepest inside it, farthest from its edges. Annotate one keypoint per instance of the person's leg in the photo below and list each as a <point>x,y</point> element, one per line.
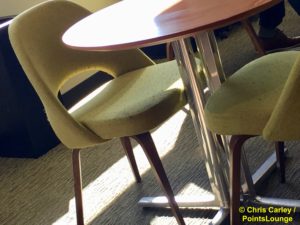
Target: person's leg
<point>296,5</point>
<point>270,19</point>
<point>271,38</point>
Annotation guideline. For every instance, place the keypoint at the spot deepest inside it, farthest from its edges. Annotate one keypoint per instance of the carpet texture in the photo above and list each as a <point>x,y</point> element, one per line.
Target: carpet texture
<point>40,191</point>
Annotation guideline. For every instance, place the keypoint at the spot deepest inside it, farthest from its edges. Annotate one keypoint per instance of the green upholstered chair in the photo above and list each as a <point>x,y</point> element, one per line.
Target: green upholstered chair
<point>141,96</point>
<point>262,98</point>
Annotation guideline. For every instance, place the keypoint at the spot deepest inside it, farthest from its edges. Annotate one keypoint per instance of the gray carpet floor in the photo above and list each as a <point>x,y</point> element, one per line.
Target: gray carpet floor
<point>40,191</point>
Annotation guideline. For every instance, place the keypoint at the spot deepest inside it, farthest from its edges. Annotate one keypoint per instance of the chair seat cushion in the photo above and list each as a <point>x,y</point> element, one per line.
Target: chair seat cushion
<point>133,103</point>
<point>244,102</point>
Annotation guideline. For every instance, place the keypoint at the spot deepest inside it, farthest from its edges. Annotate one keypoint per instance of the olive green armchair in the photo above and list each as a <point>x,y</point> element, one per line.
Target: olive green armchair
<point>141,96</point>
<point>262,98</point>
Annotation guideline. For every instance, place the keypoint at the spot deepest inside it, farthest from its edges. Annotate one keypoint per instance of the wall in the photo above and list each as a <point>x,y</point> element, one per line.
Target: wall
<point>13,7</point>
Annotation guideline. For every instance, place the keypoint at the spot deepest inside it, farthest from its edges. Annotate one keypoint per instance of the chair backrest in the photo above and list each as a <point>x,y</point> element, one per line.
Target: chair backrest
<point>36,39</point>
<point>284,122</point>
<point>104,3</point>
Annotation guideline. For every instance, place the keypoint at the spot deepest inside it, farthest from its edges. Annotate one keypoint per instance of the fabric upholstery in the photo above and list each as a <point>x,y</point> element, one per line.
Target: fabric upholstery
<point>244,103</point>
<point>105,3</point>
<point>284,123</point>
<point>36,39</point>
<point>134,103</point>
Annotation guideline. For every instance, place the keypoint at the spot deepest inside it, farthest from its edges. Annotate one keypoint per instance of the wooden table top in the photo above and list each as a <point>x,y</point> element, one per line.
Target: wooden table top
<point>139,23</point>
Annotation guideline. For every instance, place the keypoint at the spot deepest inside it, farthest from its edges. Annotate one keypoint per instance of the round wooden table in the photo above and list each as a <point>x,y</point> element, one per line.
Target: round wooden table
<point>139,23</point>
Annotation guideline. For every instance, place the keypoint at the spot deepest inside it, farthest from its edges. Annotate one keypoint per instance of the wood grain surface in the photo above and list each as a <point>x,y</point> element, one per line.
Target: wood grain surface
<point>139,23</point>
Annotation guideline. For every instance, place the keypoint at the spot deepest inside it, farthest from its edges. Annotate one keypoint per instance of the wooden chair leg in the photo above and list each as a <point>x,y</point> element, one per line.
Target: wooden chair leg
<point>145,140</point>
<point>279,146</point>
<point>77,185</point>
<point>253,36</point>
<point>170,51</point>
<point>125,141</point>
<point>236,144</point>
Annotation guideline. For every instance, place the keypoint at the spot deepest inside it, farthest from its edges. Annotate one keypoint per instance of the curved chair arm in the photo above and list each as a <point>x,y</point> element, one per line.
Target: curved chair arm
<point>70,132</point>
<point>284,122</point>
<point>48,63</point>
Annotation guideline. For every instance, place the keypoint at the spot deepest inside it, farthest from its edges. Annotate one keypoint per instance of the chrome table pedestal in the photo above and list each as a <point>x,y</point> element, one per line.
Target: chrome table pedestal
<point>190,69</point>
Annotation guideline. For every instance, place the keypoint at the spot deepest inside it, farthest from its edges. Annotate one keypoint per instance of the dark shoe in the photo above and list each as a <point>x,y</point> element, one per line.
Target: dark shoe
<point>279,42</point>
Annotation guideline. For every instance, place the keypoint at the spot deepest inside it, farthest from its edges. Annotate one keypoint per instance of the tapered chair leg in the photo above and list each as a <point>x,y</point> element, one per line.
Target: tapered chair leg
<point>253,36</point>
<point>145,140</point>
<point>125,141</point>
<point>77,186</point>
<point>236,144</point>
<point>280,159</point>
<point>170,51</point>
